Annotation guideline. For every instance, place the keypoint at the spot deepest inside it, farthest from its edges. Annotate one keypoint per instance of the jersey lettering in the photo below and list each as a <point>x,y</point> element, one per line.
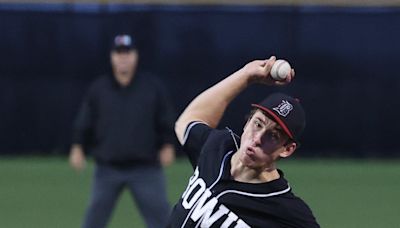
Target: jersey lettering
<point>197,199</point>
<point>228,221</point>
<point>194,182</point>
<point>203,212</point>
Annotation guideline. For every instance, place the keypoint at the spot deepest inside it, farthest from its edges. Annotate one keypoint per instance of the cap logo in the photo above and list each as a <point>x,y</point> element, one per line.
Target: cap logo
<point>284,108</point>
<point>124,40</point>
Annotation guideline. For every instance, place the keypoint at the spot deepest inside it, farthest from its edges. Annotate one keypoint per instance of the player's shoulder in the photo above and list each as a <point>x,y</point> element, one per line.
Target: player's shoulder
<point>224,136</point>
<point>222,140</point>
<point>297,210</point>
<point>214,133</point>
<point>210,137</point>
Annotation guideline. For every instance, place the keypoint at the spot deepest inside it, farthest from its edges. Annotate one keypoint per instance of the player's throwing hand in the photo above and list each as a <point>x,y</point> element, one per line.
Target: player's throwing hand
<point>259,71</point>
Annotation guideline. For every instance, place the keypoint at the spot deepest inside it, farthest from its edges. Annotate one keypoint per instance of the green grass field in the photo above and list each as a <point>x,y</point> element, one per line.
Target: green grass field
<point>44,192</point>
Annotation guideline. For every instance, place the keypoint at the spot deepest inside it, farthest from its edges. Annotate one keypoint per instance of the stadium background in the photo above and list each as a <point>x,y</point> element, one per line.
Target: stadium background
<point>344,53</point>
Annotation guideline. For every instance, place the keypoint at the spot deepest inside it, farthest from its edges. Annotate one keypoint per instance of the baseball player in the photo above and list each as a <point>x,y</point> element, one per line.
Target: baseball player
<point>236,182</point>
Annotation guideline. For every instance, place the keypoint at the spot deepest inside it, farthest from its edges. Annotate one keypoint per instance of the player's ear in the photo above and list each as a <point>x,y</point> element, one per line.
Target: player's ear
<point>288,149</point>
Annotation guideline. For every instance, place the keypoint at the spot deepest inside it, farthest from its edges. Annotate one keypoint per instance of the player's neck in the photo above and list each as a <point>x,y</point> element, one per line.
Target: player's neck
<point>245,174</point>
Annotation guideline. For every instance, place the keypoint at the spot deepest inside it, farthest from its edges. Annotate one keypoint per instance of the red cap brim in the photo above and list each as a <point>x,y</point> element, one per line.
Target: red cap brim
<point>276,118</point>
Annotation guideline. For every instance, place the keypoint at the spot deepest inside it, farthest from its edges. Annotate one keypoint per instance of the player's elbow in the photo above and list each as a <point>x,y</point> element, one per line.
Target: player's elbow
<point>180,129</point>
<point>182,123</point>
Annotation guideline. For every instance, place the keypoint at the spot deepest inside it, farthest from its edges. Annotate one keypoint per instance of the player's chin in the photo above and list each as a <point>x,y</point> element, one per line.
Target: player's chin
<point>246,160</point>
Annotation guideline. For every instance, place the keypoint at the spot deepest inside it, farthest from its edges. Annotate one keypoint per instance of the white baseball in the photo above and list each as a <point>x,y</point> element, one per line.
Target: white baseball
<point>280,69</point>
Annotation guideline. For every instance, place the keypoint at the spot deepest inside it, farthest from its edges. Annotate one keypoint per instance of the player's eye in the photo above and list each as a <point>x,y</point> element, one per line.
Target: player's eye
<point>257,123</point>
<point>273,136</point>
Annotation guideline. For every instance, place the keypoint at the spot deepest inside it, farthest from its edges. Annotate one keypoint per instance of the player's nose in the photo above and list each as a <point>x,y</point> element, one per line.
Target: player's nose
<point>257,138</point>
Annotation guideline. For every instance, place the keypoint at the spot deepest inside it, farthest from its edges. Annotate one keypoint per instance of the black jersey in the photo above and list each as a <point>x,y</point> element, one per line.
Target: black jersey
<point>214,199</point>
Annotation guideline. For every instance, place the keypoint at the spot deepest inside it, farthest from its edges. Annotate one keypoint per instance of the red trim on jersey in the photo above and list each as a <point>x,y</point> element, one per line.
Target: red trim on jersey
<point>277,119</point>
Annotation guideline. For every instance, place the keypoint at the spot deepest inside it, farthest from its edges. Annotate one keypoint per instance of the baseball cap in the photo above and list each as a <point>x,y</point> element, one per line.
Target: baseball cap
<point>123,42</point>
<point>286,111</point>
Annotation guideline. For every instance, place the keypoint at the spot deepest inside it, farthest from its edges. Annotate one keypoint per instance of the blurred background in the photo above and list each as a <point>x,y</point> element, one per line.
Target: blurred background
<point>344,54</point>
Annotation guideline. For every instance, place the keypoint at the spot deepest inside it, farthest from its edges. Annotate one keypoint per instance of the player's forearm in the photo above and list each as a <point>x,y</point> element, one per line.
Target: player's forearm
<point>210,105</point>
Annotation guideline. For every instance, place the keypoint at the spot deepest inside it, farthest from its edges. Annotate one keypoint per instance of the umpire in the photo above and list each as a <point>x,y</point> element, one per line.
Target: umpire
<point>129,119</point>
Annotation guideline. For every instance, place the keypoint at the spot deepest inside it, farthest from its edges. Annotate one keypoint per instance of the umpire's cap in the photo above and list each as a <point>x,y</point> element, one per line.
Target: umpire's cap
<point>123,42</point>
<point>286,111</point>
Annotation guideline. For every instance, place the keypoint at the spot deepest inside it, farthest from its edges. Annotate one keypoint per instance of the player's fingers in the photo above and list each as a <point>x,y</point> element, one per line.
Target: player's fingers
<point>269,63</point>
<point>271,60</point>
<point>261,62</point>
<point>280,83</point>
<point>265,61</point>
<point>290,76</point>
<point>286,81</point>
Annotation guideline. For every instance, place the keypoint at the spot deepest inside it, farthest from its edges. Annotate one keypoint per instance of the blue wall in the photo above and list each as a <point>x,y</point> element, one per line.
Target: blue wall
<point>345,60</point>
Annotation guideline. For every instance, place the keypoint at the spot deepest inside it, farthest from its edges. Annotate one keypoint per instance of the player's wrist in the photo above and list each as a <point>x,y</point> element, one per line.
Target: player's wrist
<point>245,77</point>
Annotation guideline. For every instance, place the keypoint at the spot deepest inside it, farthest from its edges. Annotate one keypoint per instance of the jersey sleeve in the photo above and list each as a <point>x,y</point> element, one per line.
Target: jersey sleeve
<point>195,136</point>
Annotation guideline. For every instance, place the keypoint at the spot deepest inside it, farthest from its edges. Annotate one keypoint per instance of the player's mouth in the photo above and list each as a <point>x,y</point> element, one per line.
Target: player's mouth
<point>250,151</point>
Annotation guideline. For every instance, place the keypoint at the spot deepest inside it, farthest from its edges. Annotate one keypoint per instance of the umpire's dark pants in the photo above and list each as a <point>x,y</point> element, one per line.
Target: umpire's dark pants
<point>147,186</point>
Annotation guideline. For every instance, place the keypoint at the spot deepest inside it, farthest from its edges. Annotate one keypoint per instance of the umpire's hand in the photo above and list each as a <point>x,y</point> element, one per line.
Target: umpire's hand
<point>167,155</point>
<point>77,159</point>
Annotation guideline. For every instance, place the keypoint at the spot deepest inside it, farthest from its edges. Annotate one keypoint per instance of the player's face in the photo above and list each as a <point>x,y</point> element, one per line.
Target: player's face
<point>124,63</point>
<point>263,141</point>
